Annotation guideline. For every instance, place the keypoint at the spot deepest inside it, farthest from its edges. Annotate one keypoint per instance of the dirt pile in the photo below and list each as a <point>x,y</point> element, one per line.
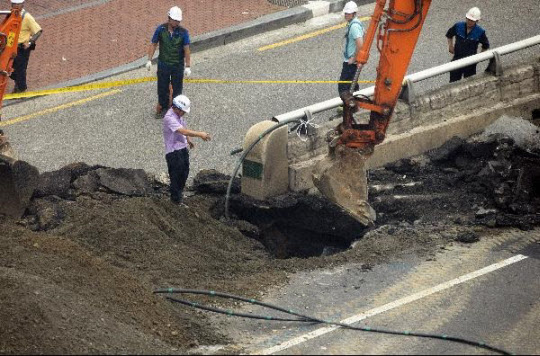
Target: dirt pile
<point>77,273</point>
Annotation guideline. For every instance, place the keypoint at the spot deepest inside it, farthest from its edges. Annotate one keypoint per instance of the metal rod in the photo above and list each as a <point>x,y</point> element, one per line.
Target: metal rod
<point>416,77</point>
<point>477,58</point>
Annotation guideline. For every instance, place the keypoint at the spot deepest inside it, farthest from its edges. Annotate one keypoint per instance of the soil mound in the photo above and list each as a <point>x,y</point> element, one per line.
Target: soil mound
<point>79,270</point>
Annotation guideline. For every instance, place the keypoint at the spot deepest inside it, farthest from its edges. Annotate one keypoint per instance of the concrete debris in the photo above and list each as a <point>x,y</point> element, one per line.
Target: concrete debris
<point>129,182</point>
<point>5,147</point>
<point>468,237</point>
<point>162,178</point>
<point>525,134</point>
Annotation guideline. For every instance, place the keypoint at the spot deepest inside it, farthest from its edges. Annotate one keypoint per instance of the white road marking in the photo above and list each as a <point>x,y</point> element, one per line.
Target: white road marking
<point>392,305</point>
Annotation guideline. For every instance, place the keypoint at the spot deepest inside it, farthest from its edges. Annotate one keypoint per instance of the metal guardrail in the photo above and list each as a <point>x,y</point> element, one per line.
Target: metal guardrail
<point>408,91</point>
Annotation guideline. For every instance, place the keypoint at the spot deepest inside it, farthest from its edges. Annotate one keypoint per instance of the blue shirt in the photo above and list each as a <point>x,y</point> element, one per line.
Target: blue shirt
<point>467,43</point>
<point>355,30</point>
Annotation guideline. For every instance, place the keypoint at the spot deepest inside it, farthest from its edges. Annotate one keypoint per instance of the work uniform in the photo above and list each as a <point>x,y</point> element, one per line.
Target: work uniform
<point>29,27</point>
<point>176,153</point>
<point>355,30</point>
<point>466,44</point>
<point>170,61</point>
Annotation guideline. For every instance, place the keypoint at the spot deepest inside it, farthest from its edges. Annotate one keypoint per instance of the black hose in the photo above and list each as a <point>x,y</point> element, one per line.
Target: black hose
<point>235,151</point>
<point>231,313</point>
<point>309,319</point>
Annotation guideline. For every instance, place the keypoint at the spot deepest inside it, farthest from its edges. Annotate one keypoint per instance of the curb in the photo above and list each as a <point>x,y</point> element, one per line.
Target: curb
<point>228,35</point>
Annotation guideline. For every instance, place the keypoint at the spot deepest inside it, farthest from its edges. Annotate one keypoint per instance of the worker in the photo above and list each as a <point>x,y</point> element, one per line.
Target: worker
<point>468,36</point>
<point>177,140</point>
<point>174,59</point>
<point>354,39</point>
<point>30,32</point>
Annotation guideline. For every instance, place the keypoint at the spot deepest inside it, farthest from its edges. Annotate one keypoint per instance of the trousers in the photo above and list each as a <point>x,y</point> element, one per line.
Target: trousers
<point>20,64</point>
<point>166,75</point>
<point>347,73</point>
<point>178,166</point>
<point>464,72</point>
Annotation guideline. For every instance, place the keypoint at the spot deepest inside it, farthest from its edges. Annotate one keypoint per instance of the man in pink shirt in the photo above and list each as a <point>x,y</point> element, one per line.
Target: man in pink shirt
<point>176,136</point>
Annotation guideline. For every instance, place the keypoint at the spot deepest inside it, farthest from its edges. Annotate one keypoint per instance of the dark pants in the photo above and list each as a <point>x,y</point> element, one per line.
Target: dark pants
<point>178,166</point>
<point>347,73</point>
<point>20,64</point>
<point>464,72</point>
<point>166,75</point>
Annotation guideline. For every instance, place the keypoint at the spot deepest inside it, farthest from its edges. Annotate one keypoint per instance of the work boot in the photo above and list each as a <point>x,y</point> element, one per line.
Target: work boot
<point>159,112</point>
<point>179,203</point>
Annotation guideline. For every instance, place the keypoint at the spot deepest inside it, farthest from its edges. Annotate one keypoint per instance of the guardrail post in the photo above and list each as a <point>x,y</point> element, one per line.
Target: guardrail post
<point>495,65</point>
<point>407,92</point>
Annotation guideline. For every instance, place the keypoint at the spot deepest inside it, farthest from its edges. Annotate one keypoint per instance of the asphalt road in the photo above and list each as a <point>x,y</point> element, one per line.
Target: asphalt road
<point>488,292</point>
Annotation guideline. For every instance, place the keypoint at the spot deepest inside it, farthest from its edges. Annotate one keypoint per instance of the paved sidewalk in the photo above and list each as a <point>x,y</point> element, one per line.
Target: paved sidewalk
<point>83,37</point>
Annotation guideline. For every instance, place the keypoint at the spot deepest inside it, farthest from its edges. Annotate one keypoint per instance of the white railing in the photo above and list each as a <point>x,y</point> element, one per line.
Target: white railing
<point>419,76</point>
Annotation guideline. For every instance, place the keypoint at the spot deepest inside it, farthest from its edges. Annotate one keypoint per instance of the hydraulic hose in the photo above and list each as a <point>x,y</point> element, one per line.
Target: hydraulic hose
<point>309,319</point>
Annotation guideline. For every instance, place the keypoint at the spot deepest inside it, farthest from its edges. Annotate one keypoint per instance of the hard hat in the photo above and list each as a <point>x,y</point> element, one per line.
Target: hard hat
<point>474,14</point>
<point>182,102</point>
<point>17,1</point>
<point>175,13</point>
<point>350,8</point>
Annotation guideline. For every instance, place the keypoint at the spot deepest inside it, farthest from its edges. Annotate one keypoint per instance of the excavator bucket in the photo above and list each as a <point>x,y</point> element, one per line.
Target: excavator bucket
<point>341,178</point>
<point>18,179</point>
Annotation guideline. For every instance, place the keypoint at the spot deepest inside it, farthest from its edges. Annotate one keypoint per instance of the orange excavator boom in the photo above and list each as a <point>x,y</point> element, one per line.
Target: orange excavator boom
<point>10,29</point>
<point>396,40</point>
<point>341,176</point>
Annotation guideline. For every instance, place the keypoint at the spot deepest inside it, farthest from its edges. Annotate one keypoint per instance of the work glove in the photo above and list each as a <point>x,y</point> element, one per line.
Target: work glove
<point>187,71</point>
<point>148,65</point>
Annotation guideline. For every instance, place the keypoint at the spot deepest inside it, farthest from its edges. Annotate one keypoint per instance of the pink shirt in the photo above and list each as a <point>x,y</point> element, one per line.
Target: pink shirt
<point>174,141</point>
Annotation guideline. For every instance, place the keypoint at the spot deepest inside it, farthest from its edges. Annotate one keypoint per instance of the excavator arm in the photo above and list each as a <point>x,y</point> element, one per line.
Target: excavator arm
<point>17,178</point>
<point>341,176</point>
<point>10,29</point>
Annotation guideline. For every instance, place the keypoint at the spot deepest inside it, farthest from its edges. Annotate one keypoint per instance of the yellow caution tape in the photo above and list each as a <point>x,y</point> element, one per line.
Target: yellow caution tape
<point>119,83</point>
<point>86,87</point>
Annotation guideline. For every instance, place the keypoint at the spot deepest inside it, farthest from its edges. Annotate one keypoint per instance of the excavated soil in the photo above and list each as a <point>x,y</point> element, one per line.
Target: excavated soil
<point>79,270</point>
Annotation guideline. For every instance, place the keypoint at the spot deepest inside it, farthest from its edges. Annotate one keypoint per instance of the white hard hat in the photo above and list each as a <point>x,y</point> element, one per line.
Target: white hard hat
<point>350,8</point>
<point>182,102</point>
<point>17,1</point>
<point>474,14</point>
<point>175,13</point>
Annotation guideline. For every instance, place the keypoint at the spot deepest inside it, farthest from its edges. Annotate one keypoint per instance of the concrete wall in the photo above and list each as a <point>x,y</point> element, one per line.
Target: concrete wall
<point>458,109</point>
